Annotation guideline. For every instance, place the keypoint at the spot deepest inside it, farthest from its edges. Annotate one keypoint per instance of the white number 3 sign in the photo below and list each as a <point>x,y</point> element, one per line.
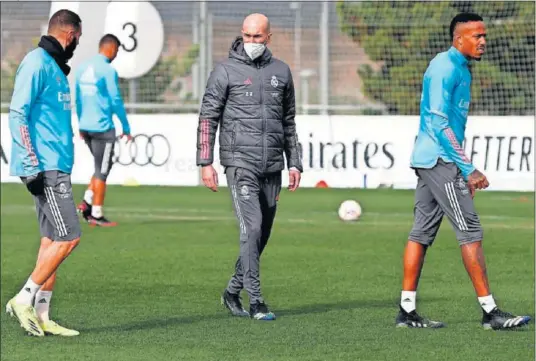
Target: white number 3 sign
<point>141,32</point>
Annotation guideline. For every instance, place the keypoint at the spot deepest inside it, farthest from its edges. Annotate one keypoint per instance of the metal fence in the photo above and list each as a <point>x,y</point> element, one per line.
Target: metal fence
<point>334,51</point>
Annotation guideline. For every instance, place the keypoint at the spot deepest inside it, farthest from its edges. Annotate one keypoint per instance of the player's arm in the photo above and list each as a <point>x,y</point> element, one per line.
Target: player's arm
<point>29,83</point>
<point>211,111</point>
<point>78,98</point>
<point>112,86</point>
<point>442,85</point>
<point>291,145</point>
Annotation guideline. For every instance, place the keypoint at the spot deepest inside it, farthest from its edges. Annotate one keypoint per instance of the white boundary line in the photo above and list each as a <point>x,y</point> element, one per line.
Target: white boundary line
<point>370,219</point>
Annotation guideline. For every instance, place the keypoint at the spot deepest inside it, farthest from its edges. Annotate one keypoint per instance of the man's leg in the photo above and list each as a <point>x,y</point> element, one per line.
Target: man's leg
<point>102,145</point>
<point>270,195</point>
<point>84,207</point>
<point>270,188</point>
<point>475,265</point>
<point>44,295</point>
<point>427,220</point>
<point>452,194</point>
<point>268,201</point>
<point>43,298</point>
<point>87,202</point>
<point>62,204</point>
<point>236,283</point>
<point>230,298</point>
<point>245,191</point>
<point>57,206</point>
<point>31,290</point>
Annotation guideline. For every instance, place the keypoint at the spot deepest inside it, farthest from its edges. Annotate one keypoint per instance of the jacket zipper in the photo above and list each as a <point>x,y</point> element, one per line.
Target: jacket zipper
<point>264,150</point>
<point>233,140</point>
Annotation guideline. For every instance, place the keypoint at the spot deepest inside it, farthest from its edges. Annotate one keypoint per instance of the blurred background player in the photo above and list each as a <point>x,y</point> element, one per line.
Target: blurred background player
<point>263,129</point>
<point>43,155</point>
<point>98,98</point>
<point>446,177</point>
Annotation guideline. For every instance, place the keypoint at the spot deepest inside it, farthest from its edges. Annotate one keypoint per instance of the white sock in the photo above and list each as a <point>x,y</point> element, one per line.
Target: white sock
<point>407,300</point>
<point>88,196</point>
<point>42,304</point>
<point>487,303</point>
<point>27,293</point>
<point>96,211</point>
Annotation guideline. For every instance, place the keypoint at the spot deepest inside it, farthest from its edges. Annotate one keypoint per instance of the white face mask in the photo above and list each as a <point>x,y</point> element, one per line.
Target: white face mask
<point>254,50</point>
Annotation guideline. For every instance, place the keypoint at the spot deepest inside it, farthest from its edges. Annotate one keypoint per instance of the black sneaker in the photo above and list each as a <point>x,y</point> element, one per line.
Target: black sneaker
<point>413,320</point>
<point>101,222</point>
<point>259,311</point>
<point>84,209</point>
<point>500,320</point>
<point>233,304</point>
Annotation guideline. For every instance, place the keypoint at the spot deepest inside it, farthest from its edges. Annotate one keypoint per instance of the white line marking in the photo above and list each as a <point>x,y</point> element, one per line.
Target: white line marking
<point>370,219</point>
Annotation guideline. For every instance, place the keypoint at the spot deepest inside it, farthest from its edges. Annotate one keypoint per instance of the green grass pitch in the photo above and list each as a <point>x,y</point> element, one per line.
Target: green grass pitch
<point>150,288</point>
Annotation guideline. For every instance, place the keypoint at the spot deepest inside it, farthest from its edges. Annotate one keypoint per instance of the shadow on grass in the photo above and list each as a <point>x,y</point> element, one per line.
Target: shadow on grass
<point>302,310</point>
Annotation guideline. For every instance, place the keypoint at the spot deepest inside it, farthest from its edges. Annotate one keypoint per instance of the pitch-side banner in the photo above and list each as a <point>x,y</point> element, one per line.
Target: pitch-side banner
<point>342,151</point>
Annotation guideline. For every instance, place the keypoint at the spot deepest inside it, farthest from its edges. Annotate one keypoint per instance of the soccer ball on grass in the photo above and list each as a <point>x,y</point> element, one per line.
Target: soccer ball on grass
<point>349,211</point>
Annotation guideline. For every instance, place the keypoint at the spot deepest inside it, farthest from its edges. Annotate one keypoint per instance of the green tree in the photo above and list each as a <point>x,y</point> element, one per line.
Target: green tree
<point>8,71</point>
<point>402,37</point>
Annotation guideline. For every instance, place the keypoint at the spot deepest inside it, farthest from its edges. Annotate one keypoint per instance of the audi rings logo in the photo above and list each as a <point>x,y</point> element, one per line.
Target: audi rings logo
<point>143,150</point>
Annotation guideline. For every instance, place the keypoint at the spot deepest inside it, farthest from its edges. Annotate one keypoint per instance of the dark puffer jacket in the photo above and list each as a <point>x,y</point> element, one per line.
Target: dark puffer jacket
<point>254,103</point>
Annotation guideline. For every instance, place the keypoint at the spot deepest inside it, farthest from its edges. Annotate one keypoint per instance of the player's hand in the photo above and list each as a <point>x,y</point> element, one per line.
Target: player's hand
<point>81,136</point>
<point>210,177</point>
<point>128,136</point>
<point>477,180</point>
<point>294,177</point>
<point>35,184</point>
<point>471,190</point>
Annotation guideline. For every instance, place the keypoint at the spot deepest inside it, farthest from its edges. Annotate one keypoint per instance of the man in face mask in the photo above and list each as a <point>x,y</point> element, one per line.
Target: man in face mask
<point>61,42</point>
<point>256,35</point>
<point>251,95</point>
<point>42,156</point>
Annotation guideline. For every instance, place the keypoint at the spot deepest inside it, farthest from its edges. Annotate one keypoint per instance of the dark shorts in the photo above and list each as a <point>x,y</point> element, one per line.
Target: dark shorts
<point>441,191</point>
<point>56,211</point>
<point>101,145</point>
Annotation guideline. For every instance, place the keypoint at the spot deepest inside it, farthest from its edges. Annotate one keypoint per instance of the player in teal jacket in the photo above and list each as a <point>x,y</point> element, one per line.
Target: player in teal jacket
<point>98,98</point>
<point>445,102</point>
<point>42,155</point>
<point>40,117</point>
<point>446,177</point>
